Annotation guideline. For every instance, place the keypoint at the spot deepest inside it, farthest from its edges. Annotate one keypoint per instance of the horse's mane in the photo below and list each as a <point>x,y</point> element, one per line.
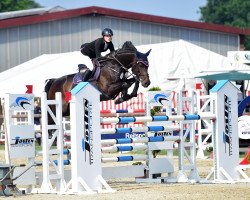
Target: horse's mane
<point>128,45</point>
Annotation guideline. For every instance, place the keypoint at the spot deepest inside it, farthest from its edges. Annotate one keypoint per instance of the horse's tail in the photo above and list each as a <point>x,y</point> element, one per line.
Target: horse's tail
<point>48,84</point>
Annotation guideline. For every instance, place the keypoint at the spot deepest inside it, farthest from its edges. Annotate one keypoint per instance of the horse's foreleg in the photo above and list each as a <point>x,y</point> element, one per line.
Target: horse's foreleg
<point>135,90</point>
<point>133,93</point>
<point>124,94</point>
<point>111,91</point>
<point>105,97</point>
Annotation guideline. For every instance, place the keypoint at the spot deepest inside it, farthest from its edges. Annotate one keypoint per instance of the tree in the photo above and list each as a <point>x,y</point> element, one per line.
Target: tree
<point>228,12</point>
<point>14,5</point>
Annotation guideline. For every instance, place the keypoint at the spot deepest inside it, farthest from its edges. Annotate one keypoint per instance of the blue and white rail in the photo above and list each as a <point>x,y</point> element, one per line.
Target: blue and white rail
<point>125,158</point>
<point>139,129</point>
<point>139,140</point>
<point>120,120</point>
<point>113,149</point>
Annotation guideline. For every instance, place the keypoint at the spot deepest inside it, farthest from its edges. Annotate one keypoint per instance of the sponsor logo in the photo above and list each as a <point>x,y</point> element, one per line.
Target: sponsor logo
<point>22,142</point>
<point>164,134</point>
<point>227,134</point>
<point>247,56</point>
<point>87,142</point>
<point>159,98</point>
<point>135,135</point>
<point>21,101</point>
<point>246,133</point>
<point>236,57</point>
<point>244,127</point>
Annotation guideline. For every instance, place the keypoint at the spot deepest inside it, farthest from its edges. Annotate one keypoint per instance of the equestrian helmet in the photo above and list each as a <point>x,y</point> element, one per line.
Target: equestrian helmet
<point>107,32</point>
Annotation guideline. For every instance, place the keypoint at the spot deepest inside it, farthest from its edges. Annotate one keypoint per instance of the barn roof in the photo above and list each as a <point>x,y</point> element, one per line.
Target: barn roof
<point>94,10</point>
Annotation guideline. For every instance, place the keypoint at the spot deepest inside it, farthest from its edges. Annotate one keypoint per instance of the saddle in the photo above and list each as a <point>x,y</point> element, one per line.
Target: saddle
<point>84,73</point>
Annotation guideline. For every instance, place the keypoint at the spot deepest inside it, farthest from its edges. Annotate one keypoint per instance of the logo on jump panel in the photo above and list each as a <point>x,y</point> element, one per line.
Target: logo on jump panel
<point>21,101</point>
<point>159,98</point>
<point>22,142</point>
<point>227,134</point>
<point>87,141</point>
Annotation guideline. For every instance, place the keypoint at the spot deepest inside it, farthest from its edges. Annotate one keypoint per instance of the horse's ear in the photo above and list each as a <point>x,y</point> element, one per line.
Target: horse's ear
<point>148,52</point>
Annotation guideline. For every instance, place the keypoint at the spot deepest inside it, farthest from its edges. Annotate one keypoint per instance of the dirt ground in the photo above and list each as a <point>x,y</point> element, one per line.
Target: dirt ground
<point>129,189</point>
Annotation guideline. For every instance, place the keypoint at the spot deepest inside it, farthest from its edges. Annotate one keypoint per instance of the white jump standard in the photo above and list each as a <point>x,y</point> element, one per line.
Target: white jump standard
<point>87,145</point>
<point>81,104</point>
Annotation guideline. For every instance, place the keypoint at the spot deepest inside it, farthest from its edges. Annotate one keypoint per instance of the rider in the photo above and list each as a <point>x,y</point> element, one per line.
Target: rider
<point>93,49</point>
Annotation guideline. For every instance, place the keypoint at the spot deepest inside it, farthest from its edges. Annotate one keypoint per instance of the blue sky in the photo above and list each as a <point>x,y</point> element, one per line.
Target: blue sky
<point>180,9</point>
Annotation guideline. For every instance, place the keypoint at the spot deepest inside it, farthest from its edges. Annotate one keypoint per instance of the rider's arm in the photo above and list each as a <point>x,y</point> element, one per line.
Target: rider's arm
<point>111,47</point>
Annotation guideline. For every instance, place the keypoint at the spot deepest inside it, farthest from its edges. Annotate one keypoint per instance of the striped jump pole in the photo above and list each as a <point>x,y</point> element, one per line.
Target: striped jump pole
<point>113,159</point>
<point>113,149</point>
<point>139,140</point>
<point>65,152</point>
<point>159,118</point>
<point>125,158</point>
<point>139,129</point>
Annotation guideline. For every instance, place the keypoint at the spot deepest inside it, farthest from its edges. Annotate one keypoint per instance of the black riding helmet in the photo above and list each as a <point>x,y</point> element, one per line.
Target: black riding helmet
<point>107,32</point>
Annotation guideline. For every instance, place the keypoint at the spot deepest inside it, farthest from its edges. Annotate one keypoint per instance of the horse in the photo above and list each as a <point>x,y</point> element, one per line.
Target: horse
<point>114,76</point>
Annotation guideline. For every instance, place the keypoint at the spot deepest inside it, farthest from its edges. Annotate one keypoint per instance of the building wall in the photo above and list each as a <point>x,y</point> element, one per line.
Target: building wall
<point>20,44</point>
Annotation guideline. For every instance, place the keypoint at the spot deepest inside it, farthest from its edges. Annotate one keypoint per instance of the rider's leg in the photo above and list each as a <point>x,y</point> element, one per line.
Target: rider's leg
<point>95,62</point>
<point>82,67</point>
<point>88,72</point>
<point>86,75</point>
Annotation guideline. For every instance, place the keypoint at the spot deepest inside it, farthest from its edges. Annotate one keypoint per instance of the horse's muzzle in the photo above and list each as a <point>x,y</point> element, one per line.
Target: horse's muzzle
<point>145,83</point>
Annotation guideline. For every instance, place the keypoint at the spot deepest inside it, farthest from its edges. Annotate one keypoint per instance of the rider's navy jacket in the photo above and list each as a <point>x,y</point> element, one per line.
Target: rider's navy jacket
<point>94,48</point>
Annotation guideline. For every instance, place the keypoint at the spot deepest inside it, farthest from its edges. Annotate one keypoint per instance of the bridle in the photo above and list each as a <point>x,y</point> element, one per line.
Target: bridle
<point>138,60</point>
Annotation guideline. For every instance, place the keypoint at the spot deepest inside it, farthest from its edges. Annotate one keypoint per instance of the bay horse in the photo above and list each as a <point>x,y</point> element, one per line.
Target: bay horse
<point>114,79</point>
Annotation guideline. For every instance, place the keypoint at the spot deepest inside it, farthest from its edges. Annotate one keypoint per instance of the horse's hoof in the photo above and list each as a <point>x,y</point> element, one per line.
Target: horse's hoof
<point>118,101</point>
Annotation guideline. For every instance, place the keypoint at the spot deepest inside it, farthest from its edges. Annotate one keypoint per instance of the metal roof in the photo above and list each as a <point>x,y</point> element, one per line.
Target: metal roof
<point>30,12</point>
<point>94,10</point>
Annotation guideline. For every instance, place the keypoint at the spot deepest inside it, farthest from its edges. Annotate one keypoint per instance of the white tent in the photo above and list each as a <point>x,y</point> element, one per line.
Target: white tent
<point>36,71</point>
<point>170,64</point>
<point>174,65</point>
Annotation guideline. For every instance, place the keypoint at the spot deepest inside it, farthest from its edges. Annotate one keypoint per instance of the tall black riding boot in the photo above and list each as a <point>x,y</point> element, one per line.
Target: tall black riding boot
<point>86,75</point>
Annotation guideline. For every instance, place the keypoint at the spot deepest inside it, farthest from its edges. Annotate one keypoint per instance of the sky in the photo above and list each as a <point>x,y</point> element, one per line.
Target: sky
<point>180,9</point>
